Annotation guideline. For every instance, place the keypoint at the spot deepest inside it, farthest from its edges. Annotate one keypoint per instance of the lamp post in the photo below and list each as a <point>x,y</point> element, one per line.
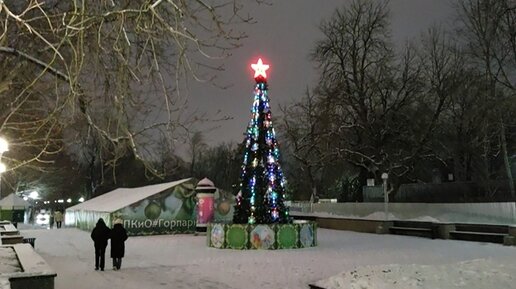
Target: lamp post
<point>385,176</point>
<point>4,146</point>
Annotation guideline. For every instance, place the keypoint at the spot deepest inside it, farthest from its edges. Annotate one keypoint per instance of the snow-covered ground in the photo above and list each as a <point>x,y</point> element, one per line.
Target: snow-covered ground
<point>366,260</point>
<point>479,273</point>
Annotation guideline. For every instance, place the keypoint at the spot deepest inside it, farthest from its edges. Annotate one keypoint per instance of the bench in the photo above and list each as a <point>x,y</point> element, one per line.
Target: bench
<point>313,286</point>
<point>11,239</point>
<point>30,241</point>
<point>484,228</point>
<point>36,273</point>
<point>9,229</point>
<point>478,236</point>
<point>480,233</point>
<point>412,231</point>
<point>415,228</point>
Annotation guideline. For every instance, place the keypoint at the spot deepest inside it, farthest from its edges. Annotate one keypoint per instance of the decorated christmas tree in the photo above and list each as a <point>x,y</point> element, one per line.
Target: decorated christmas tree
<point>262,185</point>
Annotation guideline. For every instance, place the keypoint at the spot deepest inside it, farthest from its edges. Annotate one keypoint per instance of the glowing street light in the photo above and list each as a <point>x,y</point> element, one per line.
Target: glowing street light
<point>34,195</point>
<point>385,178</point>
<point>4,145</point>
<point>81,199</point>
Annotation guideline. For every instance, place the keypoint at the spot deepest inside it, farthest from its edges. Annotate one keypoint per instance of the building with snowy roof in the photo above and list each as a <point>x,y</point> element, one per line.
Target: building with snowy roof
<point>165,208</point>
<point>12,208</point>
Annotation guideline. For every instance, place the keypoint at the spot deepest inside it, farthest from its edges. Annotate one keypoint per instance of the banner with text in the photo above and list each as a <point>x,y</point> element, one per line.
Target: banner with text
<point>169,212</point>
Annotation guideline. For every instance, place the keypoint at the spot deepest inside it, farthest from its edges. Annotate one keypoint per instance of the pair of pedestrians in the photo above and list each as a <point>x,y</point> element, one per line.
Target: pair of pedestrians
<point>100,236</point>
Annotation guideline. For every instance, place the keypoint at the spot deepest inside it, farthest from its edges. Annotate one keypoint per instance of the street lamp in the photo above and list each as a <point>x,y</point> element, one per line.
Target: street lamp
<point>385,177</point>
<point>34,195</point>
<point>4,146</point>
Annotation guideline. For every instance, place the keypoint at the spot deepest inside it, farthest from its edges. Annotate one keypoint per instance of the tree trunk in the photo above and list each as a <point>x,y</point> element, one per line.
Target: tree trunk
<point>505,155</point>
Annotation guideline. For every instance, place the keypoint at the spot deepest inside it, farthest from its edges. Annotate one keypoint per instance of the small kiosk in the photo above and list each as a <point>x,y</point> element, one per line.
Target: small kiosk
<point>205,193</point>
<point>13,209</point>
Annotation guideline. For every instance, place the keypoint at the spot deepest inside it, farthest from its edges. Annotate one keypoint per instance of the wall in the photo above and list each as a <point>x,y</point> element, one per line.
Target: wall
<point>85,220</point>
<point>14,215</point>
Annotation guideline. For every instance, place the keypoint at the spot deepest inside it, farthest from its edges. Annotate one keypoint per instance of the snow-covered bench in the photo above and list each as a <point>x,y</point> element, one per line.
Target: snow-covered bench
<point>8,229</point>
<point>9,234</point>
<point>11,239</point>
<point>32,270</point>
<point>480,232</point>
<point>414,228</point>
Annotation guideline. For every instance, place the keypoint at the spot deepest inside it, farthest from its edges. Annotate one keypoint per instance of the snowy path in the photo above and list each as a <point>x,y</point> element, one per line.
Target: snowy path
<point>184,261</point>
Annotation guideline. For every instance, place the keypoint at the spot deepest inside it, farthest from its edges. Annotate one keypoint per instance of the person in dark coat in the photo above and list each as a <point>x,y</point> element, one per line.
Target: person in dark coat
<point>100,236</point>
<point>51,219</point>
<point>118,237</point>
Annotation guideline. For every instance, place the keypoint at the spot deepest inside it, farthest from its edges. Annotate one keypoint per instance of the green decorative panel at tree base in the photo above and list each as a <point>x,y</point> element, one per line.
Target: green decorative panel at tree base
<point>300,234</point>
<point>288,236</point>
<point>236,237</point>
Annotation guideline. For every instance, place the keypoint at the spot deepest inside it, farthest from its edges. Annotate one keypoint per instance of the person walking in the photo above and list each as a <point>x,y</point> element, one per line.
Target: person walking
<point>118,237</point>
<point>100,236</point>
<point>51,219</point>
<point>58,217</point>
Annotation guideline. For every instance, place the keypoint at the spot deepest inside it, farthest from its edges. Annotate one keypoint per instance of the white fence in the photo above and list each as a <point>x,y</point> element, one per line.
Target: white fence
<point>489,213</point>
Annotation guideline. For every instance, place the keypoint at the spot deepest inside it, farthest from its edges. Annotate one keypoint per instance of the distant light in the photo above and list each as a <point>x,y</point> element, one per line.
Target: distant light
<point>34,195</point>
<point>25,198</point>
<point>4,146</point>
<point>42,219</point>
<point>60,201</point>
<point>81,199</point>
<point>69,200</point>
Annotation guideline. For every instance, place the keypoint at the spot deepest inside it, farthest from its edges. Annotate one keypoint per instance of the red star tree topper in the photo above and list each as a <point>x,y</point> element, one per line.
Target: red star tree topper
<point>259,70</point>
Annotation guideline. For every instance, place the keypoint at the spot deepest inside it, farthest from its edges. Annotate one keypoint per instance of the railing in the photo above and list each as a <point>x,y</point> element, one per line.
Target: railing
<point>303,207</point>
<point>488,213</point>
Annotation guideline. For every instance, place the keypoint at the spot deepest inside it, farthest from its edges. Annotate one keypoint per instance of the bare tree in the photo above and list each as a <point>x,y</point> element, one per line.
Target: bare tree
<point>172,166</point>
<point>304,133</point>
<point>106,70</point>
<point>368,93</point>
<point>221,164</point>
<point>197,147</point>
<point>489,26</point>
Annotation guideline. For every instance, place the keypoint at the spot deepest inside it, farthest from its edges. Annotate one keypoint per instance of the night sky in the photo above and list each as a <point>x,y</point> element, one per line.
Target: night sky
<point>283,36</point>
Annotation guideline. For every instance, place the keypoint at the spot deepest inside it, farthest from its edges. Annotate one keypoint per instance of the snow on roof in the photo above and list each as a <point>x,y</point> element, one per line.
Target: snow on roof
<point>13,201</point>
<point>205,184</point>
<point>123,197</point>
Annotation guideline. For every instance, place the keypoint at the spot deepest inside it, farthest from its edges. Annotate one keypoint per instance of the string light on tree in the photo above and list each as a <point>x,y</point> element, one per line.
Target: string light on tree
<point>262,184</point>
